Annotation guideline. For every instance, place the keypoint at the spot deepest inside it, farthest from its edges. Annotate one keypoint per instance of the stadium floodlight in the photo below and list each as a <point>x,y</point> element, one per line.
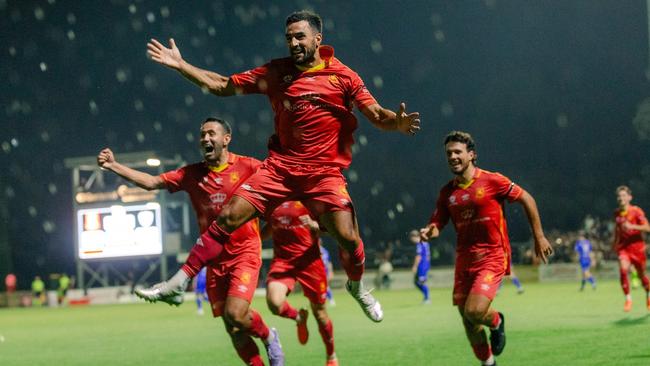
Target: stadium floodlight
<point>153,162</point>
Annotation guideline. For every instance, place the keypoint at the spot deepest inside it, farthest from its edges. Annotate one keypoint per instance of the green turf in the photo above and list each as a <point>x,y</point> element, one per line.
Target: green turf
<point>550,324</point>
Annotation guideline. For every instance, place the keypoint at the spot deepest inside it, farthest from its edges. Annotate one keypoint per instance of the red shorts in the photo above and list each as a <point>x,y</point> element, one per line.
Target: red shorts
<point>321,189</point>
<point>481,277</point>
<point>633,253</point>
<point>311,276</point>
<point>237,278</point>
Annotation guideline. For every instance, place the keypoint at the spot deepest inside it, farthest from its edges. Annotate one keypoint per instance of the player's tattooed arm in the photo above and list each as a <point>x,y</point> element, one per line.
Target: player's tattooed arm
<point>387,120</point>
<point>207,80</point>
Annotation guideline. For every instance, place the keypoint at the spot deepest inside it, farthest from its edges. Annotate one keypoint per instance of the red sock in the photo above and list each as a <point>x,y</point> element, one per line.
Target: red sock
<point>495,320</point>
<point>258,328</point>
<point>249,353</point>
<point>288,311</point>
<point>327,333</point>
<point>207,248</point>
<point>482,351</point>
<point>625,283</point>
<point>353,262</point>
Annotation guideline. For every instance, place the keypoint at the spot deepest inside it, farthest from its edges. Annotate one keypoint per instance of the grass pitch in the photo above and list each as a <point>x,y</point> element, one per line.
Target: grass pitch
<point>550,324</point>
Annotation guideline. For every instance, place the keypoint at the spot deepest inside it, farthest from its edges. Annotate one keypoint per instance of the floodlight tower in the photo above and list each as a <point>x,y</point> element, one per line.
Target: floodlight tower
<point>116,221</point>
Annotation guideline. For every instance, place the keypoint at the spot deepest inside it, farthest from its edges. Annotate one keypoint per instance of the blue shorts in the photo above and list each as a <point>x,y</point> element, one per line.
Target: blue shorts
<point>421,274</point>
<point>585,263</point>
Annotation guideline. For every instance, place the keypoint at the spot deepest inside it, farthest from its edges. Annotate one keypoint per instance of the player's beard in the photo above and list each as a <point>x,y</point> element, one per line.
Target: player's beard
<point>214,157</point>
<point>464,167</point>
<point>309,53</point>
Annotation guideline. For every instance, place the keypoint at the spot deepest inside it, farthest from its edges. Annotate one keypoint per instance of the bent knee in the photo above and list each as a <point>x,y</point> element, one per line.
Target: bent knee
<point>474,315</point>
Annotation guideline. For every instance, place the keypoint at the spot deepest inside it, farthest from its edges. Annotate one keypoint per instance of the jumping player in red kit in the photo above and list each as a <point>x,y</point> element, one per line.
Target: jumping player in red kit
<point>629,244</point>
<point>296,258</point>
<point>473,201</point>
<point>232,279</point>
<point>312,94</point>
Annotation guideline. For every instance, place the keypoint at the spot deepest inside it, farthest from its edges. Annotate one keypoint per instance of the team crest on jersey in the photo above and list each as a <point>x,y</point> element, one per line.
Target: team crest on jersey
<point>480,192</point>
<point>246,278</point>
<point>334,80</point>
<point>323,286</point>
<point>218,198</point>
<point>234,177</point>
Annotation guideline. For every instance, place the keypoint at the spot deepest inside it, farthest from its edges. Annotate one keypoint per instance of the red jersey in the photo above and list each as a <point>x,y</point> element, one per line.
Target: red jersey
<point>314,123</point>
<point>476,209</point>
<point>633,215</point>
<point>293,238</point>
<point>209,189</point>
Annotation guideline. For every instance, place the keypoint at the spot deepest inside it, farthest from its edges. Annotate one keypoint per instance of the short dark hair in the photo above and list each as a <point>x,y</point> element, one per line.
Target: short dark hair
<point>223,123</point>
<point>624,188</point>
<point>312,18</point>
<point>463,138</point>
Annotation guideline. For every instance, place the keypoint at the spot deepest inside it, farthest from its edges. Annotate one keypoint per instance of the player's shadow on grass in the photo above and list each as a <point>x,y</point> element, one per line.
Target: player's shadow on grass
<point>632,321</point>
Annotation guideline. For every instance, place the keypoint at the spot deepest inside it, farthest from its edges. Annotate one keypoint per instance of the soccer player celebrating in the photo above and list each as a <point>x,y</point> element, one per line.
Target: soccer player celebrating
<point>629,244</point>
<point>296,257</point>
<point>473,200</point>
<point>232,279</point>
<point>584,251</point>
<point>312,94</point>
<point>421,264</point>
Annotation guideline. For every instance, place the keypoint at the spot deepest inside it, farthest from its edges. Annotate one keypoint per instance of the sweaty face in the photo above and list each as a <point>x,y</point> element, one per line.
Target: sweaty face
<point>623,198</point>
<point>213,141</point>
<point>302,41</point>
<point>458,158</point>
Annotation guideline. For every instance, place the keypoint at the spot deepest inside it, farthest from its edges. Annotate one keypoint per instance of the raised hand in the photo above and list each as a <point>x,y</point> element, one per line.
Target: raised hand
<point>105,158</point>
<point>170,57</point>
<point>407,123</point>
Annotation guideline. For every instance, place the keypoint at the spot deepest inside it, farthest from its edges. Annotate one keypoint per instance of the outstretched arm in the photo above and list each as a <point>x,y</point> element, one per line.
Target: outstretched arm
<point>171,57</point>
<point>543,248</point>
<point>387,120</point>
<point>106,160</point>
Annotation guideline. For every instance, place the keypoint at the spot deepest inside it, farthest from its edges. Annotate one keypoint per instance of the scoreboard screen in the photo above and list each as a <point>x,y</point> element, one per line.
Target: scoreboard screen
<point>119,231</point>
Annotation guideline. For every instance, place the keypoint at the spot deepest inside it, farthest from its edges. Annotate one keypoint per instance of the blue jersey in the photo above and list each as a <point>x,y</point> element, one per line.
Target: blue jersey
<point>201,281</point>
<point>583,248</point>
<point>325,256</point>
<point>422,249</point>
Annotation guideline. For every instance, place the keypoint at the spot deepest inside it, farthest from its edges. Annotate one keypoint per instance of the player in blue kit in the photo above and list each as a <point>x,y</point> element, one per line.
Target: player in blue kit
<point>584,249</point>
<point>200,282</point>
<point>421,264</point>
<point>329,270</point>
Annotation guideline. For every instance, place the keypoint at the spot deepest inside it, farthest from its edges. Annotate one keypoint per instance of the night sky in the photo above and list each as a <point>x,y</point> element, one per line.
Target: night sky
<point>553,92</point>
